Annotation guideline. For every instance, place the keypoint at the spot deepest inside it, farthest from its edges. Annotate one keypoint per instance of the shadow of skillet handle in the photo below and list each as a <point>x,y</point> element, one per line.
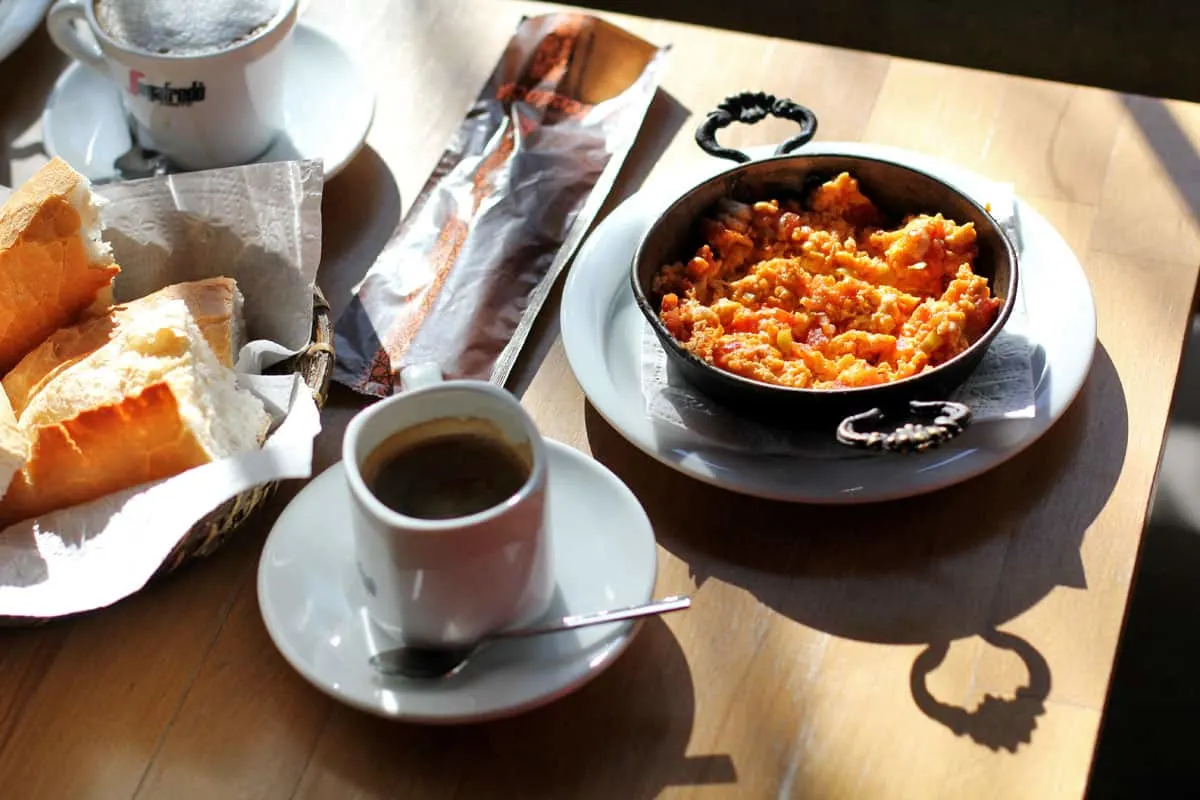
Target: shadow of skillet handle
<point>997,722</point>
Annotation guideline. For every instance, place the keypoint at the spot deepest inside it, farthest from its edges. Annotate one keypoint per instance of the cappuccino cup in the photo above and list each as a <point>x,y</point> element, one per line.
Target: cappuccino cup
<point>201,83</point>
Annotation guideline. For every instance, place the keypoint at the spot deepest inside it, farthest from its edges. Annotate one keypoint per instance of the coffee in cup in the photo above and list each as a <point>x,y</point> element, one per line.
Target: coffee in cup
<point>448,512</point>
<point>201,81</point>
<point>446,468</point>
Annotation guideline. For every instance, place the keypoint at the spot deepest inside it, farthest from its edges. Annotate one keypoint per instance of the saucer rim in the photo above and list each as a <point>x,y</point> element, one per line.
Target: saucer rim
<point>618,642</point>
<point>362,75</point>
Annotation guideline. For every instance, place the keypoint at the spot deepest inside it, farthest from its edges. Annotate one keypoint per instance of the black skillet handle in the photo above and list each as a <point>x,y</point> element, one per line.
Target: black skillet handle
<point>947,419</point>
<point>750,107</point>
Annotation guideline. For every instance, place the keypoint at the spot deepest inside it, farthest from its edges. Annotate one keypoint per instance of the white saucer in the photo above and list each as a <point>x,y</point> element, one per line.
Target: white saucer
<point>328,108</point>
<point>18,19</point>
<point>602,330</point>
<point>604,557</point>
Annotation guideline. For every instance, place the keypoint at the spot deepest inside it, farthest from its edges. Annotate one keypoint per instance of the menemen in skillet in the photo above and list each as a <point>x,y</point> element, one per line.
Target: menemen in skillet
<point>827,296</point>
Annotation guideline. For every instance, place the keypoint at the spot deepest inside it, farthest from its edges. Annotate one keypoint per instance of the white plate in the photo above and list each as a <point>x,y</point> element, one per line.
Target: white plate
<point>328,108</point>
<point>18,19</point>
<point>602,331</point>
<point>311,601</point>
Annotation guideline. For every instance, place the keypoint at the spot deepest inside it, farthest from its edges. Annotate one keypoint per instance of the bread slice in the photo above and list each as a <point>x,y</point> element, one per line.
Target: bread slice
<point>151,402</point>
<point>215,304</point>
<point>54,268</point>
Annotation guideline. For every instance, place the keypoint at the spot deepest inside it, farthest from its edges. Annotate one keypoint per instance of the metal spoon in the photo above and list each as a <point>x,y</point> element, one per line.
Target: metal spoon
<point>436,662</point>
<point>137,161</point>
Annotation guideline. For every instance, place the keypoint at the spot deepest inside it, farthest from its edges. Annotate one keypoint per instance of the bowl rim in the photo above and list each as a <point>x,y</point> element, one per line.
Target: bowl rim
<point>849,393</point>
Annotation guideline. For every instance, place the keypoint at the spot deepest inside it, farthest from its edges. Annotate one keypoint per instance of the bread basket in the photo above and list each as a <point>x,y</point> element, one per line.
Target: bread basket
<point>315,366</point>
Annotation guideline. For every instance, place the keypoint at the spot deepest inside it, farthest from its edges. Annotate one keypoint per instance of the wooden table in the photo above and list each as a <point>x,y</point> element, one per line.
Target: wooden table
<point>809,665</point>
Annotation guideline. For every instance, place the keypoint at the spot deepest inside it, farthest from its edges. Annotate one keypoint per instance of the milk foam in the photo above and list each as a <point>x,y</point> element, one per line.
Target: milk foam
<point>184,27</point>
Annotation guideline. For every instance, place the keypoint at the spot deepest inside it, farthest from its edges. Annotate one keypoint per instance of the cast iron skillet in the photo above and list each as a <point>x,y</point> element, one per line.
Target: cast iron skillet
<point>909,414</point>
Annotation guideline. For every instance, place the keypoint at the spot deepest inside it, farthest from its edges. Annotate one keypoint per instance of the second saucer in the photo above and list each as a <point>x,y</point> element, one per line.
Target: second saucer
<point>313,604</point>
<point>329,105</point>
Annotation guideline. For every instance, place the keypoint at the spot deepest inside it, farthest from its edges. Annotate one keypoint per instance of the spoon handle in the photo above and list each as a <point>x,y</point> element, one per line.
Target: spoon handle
<point>654,607</point>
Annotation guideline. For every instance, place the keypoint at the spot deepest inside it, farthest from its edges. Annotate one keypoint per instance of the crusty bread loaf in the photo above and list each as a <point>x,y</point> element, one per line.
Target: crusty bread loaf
<point>150,402</point>
<point>215,304</point>
<point>54,268</point>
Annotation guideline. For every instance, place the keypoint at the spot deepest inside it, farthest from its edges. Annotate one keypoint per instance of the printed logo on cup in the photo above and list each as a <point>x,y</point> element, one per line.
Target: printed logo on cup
<point>165,95</point>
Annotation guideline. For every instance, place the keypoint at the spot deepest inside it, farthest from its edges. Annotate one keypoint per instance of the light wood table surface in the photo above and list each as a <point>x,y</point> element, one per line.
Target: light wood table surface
<point>796,673</point>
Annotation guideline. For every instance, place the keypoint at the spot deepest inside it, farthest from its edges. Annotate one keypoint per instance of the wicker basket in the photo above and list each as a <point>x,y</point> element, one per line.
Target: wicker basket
<point>315,365</point>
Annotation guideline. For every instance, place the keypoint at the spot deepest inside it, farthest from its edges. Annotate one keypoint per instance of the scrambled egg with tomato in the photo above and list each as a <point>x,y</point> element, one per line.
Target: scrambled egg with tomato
<point>826,297</point>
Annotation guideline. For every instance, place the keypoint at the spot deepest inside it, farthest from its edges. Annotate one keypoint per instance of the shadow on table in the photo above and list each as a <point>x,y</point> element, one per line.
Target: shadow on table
<point>664,118</point>
<point>361,210</point>
<point>928,570</point>
<point>1050,41</point>
<point>1171,145</point>
<point>23,95</point>
<point>584,745</point>
<point>997,722</point>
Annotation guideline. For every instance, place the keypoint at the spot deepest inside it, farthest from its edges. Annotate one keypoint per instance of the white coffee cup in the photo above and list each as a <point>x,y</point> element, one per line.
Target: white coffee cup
<point>450,581</point>
<point>204,110</point>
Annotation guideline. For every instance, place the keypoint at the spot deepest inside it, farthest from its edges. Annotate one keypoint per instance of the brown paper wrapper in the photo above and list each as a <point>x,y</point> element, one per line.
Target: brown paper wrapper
<point>463,277</point>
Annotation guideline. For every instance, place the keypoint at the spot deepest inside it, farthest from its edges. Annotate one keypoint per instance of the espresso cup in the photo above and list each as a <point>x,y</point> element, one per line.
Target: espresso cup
<point>448,581</point>
<point>202,110</point>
